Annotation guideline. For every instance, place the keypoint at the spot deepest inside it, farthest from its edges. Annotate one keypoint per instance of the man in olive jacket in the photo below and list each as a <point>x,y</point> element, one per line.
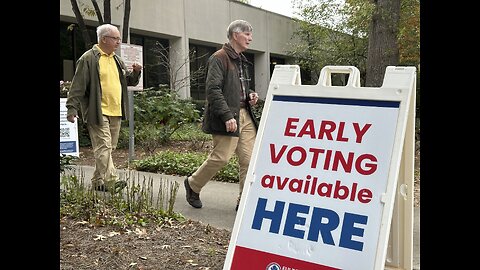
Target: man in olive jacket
<point>228,114</point>
<point>99,94</point>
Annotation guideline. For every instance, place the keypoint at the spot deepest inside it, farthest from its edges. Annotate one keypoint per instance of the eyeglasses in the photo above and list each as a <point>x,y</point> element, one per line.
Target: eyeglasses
<point>114,38</point>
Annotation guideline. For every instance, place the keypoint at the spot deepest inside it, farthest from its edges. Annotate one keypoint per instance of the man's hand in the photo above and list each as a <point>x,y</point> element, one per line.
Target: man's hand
<point>231,125</point>
<point>253,98</point>
<point>71,118</point>
<point>137,67</point>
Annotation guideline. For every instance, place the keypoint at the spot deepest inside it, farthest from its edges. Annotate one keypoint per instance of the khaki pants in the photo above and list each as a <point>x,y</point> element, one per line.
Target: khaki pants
<point>223,149</point>
<point>104,140</point>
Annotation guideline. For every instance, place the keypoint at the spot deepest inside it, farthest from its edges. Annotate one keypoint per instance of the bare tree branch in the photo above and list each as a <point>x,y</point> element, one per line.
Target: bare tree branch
<point>174,65</point>
<point>97,11</point>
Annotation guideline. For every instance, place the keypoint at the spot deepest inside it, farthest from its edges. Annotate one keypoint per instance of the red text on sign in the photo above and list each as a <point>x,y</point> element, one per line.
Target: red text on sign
<point>326,130</point>
<point>365,164</point>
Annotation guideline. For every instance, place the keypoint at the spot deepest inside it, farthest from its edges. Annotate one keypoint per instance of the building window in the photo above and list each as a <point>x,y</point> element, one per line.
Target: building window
<point>198,69</point>
<point>155,57</point>
<point>72,47</point>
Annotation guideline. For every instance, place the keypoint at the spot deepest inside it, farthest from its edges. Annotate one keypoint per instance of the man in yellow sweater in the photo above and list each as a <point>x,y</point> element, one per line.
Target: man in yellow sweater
<point>99,93</point>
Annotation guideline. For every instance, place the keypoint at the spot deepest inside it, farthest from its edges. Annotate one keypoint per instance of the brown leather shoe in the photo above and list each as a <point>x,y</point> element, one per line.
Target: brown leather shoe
<point>193,198</point>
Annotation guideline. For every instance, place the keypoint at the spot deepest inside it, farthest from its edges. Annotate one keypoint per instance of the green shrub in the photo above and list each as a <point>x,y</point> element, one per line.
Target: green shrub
<point>124,136</point>
<point>191,131</point>
<point>174,163</point>
<point>149,137</point>
<point>66,161</point>
<point>158,114</point>
<point>199,105</point>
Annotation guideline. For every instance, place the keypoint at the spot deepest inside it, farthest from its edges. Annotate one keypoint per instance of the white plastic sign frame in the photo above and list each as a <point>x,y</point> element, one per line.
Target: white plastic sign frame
<point>68,133</point>
<point>322,182</point>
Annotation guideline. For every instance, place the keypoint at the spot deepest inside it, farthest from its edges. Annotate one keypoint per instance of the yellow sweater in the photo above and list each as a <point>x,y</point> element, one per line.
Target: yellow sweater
<point>111,87</point>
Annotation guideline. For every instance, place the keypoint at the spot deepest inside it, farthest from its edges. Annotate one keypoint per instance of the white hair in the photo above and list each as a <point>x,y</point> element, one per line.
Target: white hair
<point>104,30</point>
<point>238,26</point>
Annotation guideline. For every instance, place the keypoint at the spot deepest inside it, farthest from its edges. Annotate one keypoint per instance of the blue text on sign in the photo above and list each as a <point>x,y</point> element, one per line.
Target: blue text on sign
<point>348,229</point>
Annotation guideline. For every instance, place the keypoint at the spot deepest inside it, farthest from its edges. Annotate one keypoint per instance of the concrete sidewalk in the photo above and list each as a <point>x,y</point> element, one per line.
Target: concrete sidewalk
<point>219,201</point>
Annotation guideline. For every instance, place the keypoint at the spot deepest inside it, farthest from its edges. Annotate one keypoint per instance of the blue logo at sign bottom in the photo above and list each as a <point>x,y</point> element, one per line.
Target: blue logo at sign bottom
<point>273,266</point>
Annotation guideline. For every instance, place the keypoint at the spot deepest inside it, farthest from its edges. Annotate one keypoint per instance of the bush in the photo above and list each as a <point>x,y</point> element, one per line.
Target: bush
<point>173,163</point>
<point>66,161</point>
<point>158,114</point>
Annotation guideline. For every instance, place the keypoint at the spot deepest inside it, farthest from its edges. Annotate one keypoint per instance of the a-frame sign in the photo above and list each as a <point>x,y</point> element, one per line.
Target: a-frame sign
<point>330,183</point>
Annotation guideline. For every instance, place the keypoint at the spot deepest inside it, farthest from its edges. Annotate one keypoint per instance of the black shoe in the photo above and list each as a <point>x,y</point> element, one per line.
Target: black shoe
<point>193,198</point>
<point>118,186</point>
<point>102,188</point>
<point>238,204</point>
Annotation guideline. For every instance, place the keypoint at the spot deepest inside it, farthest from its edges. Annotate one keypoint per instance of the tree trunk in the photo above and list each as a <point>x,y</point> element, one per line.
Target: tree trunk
<point>126,21</point>
<point>107,11</point>
<point>98,12</point>
<point>107,18</point>
<point>383,48</point>
<point>81,24</point>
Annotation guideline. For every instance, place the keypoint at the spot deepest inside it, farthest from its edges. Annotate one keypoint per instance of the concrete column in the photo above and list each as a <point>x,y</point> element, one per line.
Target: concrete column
<point>180,67</point>
<point>262,73</point>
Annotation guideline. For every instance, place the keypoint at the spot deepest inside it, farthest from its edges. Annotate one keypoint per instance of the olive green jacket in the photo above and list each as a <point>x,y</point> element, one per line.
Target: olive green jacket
<point>223,91</point>
<point>85,94</point>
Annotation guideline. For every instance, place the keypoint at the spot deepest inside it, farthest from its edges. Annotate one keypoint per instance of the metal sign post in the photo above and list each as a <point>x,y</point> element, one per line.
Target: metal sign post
<point>130,54</point>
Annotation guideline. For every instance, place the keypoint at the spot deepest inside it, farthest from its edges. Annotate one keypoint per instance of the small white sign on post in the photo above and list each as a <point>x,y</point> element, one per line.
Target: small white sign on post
<point>321,185</point>
<point>68,132</point>
<point>130,54</point>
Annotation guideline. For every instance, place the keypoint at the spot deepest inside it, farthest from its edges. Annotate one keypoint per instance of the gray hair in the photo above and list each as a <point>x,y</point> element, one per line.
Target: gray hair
<point>104,30</point>
<point>238,26</point>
